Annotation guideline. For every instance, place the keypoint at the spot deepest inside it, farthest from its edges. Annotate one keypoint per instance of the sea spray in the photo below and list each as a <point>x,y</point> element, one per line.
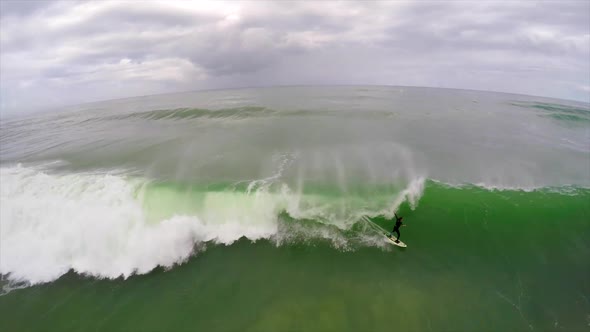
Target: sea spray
<point>110,226</point>
<point>269,202</point>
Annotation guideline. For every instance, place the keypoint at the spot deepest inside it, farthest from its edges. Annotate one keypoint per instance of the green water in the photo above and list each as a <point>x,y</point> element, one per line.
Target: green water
<point>476,260</point>
<point>256,210</point>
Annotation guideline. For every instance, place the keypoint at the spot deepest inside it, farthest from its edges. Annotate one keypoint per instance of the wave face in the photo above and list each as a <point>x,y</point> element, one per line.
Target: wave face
<point>119,188</point>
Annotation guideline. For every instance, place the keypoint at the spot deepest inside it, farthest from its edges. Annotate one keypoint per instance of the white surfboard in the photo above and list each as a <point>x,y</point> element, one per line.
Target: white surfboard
<point>392,241</point>
<point>384,232</point>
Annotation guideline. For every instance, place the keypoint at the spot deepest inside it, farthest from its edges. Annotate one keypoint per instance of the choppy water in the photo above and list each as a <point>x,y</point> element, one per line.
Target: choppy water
<point>494,189</point>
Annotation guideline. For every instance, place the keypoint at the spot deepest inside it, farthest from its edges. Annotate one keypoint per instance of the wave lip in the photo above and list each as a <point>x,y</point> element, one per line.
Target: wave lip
<point>103,224</point>
<point>110,225</point>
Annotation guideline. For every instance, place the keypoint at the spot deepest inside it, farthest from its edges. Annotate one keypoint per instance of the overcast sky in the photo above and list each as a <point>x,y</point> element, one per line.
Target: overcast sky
<point>66,52</point>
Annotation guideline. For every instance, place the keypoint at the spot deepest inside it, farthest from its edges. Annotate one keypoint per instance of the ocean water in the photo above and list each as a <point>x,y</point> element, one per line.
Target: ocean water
<point>262,210</point>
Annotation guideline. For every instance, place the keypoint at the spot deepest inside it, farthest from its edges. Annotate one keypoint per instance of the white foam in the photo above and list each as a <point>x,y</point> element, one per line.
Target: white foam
<point>412,194</point>
<point>95,224</point>
<point>565,189</point>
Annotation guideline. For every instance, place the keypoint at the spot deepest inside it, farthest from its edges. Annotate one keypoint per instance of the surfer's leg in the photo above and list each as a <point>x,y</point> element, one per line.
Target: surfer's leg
<point>397,232</point>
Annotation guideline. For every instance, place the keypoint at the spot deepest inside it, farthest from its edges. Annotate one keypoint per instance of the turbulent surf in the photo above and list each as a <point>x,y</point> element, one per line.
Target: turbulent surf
<point>494,189</point>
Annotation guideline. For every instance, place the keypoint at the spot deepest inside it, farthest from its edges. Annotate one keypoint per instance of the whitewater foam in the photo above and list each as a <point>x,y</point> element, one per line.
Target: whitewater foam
<point>51,224</point>
<point>565,189</point>
<point>97,224</point>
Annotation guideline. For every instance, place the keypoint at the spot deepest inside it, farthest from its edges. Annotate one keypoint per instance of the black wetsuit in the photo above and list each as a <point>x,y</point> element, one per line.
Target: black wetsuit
<point>398,224</point>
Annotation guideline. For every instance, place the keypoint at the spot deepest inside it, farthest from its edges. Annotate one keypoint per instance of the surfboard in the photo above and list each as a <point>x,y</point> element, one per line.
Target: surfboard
<point>392,241</point>
<point>384,232</point>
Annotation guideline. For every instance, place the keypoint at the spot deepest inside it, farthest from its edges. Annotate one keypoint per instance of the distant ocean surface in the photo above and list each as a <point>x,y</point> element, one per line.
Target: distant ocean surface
<point>256,210</point>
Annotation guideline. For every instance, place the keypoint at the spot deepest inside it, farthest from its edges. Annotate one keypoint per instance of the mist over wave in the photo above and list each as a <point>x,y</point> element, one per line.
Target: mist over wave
<point>122,187</point>
<point>111,226</point>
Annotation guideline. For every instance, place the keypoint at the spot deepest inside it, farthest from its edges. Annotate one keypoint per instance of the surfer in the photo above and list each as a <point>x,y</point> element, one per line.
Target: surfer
<point>398,224</point>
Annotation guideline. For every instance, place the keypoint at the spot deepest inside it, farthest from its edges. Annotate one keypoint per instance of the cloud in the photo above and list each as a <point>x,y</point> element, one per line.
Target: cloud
<point>22,8</point>
<point>51,49</point>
